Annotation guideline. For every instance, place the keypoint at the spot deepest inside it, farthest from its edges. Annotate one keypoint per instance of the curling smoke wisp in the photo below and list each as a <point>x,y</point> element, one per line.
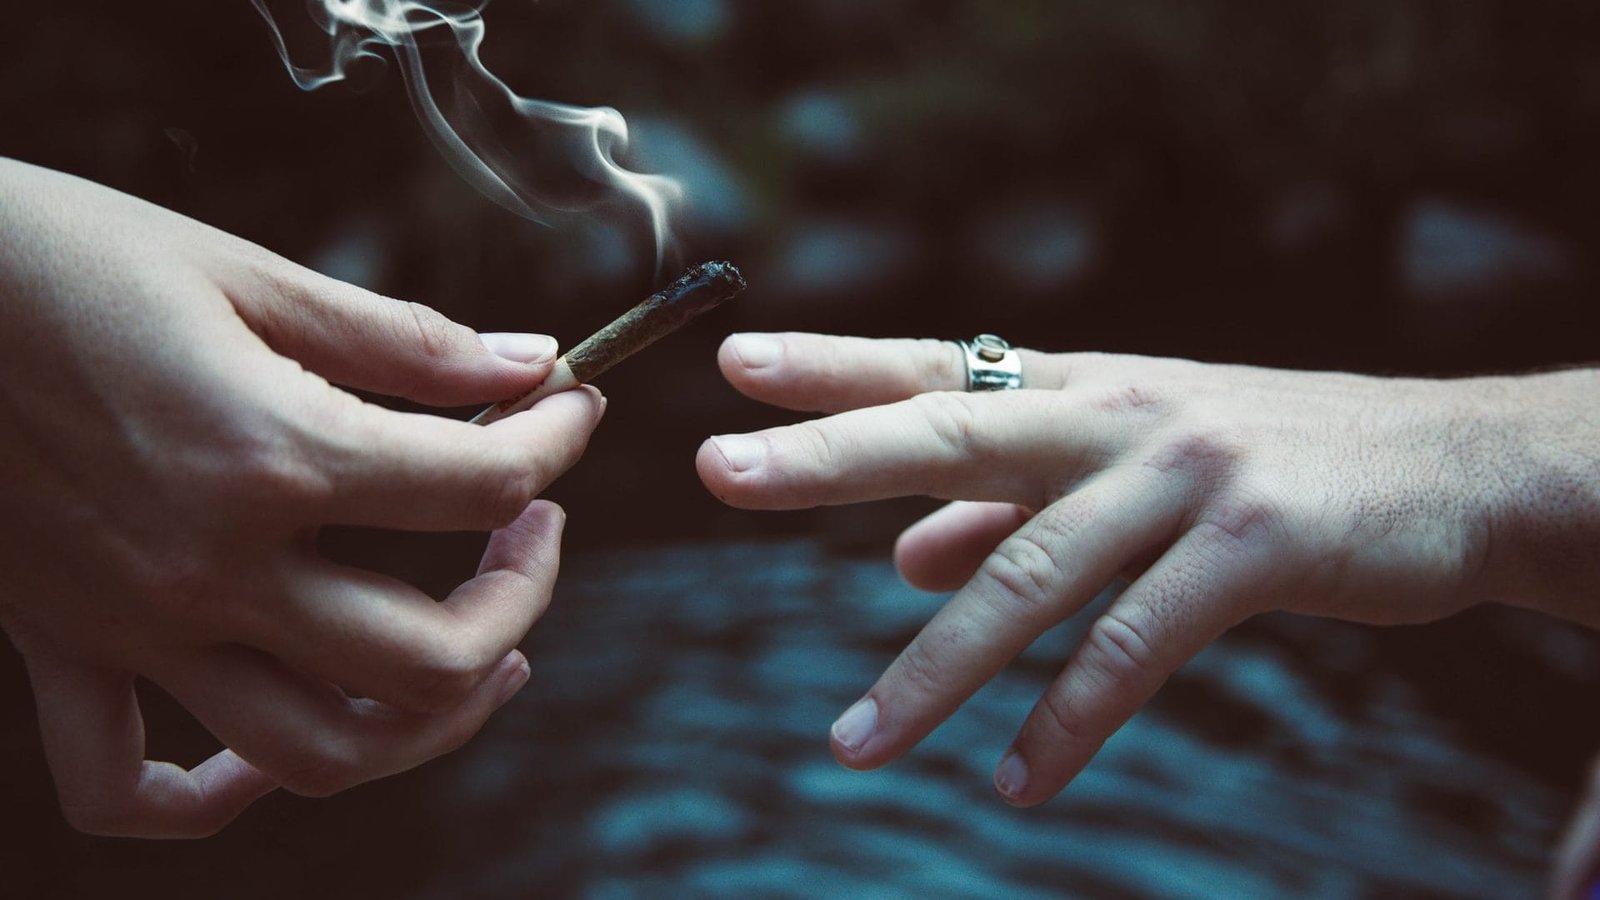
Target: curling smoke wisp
<point>535,158</point>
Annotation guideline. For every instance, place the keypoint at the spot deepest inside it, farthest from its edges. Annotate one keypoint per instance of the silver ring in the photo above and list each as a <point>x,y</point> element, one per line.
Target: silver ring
<point>991,364</point>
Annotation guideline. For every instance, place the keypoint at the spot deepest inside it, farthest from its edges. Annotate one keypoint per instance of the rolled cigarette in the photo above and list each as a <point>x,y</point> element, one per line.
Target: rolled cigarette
<point>699,290</point>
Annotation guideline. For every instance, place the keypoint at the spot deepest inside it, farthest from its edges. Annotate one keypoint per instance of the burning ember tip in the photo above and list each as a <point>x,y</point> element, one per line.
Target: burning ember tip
<point>697,291</point>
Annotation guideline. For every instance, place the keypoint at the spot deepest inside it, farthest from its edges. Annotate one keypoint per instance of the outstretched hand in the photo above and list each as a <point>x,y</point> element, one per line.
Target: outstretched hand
<point>171,441</point>
<point>1222,491</point>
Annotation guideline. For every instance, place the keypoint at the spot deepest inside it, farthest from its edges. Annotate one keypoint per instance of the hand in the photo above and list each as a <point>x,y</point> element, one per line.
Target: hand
<point>1224,491</point>
<point>1577,869</point>
<point>169,447</point>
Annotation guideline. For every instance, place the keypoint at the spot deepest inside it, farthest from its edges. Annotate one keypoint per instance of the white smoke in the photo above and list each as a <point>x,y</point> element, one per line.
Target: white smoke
<point>532,157</point>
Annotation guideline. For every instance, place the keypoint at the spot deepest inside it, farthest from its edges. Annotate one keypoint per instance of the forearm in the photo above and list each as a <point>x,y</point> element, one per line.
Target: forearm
<point>1542,529</point>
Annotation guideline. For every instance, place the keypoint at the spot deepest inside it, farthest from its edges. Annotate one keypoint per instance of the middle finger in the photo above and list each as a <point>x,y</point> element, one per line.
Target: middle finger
<point>1035,579</point>
<point>422,472</point>
<point>381,638</point>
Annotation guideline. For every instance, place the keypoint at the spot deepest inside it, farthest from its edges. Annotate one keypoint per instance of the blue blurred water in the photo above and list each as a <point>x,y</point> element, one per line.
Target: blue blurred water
<point>673,743</point>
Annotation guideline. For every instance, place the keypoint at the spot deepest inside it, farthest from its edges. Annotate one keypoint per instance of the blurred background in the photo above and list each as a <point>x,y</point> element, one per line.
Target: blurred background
<point>1380,185</point>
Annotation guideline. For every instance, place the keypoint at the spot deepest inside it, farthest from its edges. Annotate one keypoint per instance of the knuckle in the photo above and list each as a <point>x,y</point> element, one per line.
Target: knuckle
<point>1119,651</point>
<point>270,459</point>
<point>435,337</point>
<point>264,286</point>
<point>511,492</point>
<point>824,445</point>
<point>1199,450</point>
<point>937,364</point>
<point>919,672</point>
<point>1062,725</point>
<point>1240,523</point>
<point>954,422</point>
<point>1064,522</point>
<point>1026,574</point>
<point>434,342</point>
<point>334,766</point>
<point>442,679</point>
<point>442,687</point>
<point>1132,397</point>
<point>181,583</point>
<point>275,474</point>
<point>181,589</point>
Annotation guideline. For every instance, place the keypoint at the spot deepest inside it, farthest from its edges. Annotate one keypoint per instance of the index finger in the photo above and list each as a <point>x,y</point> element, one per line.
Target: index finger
<point>426,473</point>
<point>826,373</point>
<point>1014,446</point>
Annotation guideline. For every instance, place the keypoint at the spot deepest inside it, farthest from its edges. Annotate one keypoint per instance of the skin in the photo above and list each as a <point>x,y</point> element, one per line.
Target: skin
<point>1220,491</point>
<point>174,441</point>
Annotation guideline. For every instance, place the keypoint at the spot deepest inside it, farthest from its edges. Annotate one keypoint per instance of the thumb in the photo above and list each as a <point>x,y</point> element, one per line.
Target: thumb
<point>359,339</point>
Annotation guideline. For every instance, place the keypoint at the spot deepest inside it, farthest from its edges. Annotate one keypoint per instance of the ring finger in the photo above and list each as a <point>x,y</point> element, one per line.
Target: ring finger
<point>825,373</point>
<point>944,550</point>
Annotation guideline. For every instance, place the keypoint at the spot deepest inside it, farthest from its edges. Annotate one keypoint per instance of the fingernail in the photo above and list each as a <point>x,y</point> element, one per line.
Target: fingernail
<point>854,728</point>
<point>757,351</point>
<point>741,453</point>
<point>1011,778</point>
<point>514,682</point>
<point>521,348</point>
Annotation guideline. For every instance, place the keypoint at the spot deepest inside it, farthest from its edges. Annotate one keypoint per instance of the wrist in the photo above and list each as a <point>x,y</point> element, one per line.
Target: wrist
<point>1541,477</point>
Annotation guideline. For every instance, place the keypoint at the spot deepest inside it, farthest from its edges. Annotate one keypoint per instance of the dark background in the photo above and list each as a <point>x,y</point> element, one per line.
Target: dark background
<point>1380,185</point>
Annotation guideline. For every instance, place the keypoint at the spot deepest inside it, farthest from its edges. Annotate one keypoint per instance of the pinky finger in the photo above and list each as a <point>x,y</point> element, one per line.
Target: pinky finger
<point>1161,622</point>
<point>95,742</point>
<point>310,736</point>
<point>944,550</point>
